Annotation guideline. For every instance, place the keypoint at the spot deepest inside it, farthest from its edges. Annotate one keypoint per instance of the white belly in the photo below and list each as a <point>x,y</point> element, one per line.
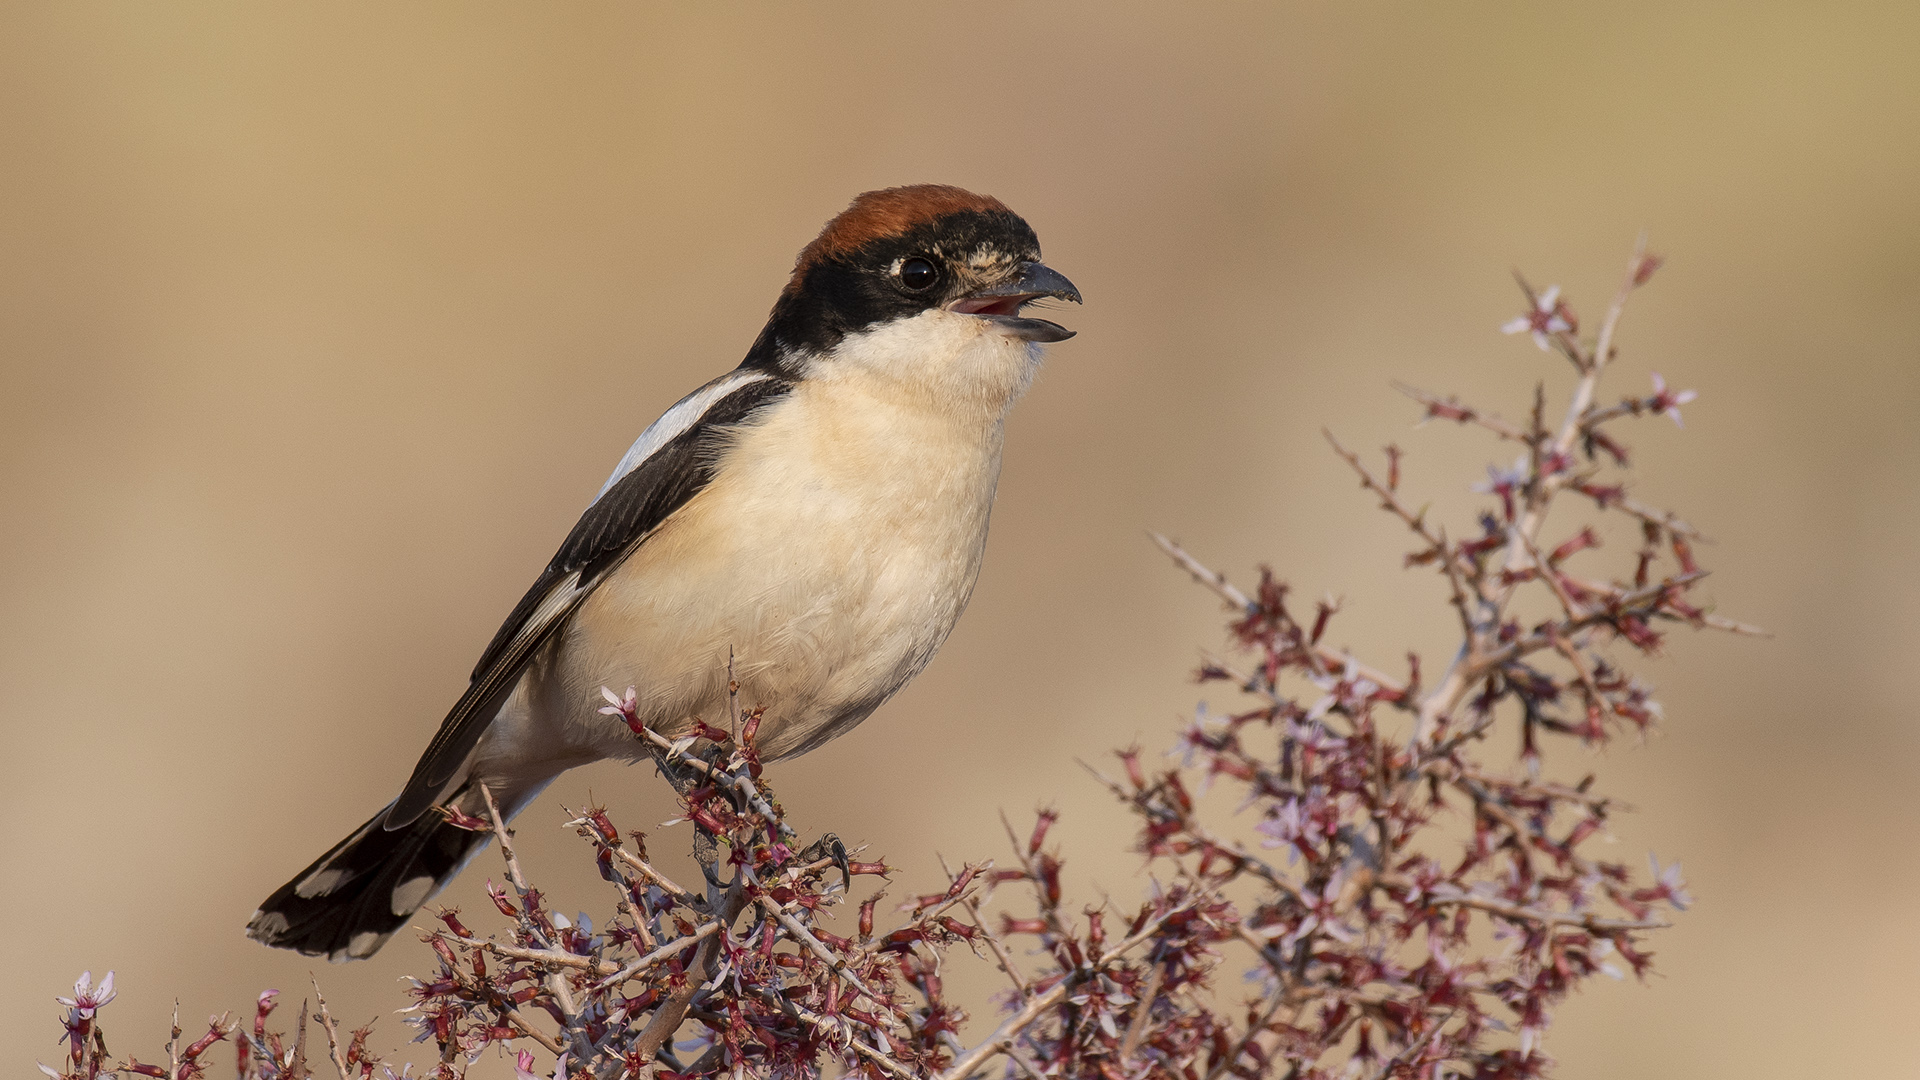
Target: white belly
<point>831,558</point>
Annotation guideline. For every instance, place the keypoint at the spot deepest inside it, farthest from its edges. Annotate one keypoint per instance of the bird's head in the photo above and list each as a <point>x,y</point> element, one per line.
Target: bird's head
<point>912,276</point>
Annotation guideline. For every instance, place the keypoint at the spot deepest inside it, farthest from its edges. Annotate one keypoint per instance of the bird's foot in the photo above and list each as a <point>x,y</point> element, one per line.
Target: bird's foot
<point>830,847</point>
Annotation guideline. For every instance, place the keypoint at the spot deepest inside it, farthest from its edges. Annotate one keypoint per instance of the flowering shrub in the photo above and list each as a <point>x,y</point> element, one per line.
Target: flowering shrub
<point>1407,904</point>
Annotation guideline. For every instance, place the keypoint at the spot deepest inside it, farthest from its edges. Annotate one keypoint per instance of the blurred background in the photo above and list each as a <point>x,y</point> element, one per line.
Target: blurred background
<point>320,325</point>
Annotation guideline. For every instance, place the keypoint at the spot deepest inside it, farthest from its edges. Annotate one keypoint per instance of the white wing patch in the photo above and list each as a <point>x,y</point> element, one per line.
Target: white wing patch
<point>320,883</point>
<point>266,924</point>
<point>685,413</point>
<point>410,894</point>
<point>364,944</point>
<point>558,599</point>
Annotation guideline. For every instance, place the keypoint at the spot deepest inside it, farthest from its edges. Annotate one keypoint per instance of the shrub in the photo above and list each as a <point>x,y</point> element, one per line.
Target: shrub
<point>1408,904</point>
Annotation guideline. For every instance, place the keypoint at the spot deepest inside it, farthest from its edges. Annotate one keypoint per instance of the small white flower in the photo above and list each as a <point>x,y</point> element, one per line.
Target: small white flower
<point>1306,927</point>
<point>1502,481</point>
<point>1668,404</point>
<point>86,997</point>
<point>1194,738</point>
<point>617,704</point>
<point>1348,690</point>
<point>1545,319</point>
<point>1669,879</point>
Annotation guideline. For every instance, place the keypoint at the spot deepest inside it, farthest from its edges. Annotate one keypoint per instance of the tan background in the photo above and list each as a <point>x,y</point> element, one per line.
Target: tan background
<point>320,326</point>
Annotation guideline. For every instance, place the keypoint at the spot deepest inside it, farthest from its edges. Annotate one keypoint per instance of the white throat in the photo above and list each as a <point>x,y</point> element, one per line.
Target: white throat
<point>953,361</point>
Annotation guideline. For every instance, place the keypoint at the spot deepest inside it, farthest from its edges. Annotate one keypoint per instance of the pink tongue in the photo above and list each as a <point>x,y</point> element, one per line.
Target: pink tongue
<point>990,305</point>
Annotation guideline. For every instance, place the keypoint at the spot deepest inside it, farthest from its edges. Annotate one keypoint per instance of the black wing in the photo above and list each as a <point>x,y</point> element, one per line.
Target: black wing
<point>617,522</point>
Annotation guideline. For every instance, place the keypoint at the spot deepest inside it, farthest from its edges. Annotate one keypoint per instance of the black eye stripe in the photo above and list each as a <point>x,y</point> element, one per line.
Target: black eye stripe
<point>848,291</point>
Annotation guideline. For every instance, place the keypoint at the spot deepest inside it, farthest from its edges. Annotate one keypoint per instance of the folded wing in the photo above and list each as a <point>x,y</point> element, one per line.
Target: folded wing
<point>669,464</point>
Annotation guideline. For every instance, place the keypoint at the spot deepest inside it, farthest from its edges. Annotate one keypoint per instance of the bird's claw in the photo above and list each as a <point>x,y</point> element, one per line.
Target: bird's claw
<point>830,847</point>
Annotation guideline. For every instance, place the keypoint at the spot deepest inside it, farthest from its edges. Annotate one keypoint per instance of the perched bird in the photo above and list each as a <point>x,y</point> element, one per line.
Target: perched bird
<point>818,514</point>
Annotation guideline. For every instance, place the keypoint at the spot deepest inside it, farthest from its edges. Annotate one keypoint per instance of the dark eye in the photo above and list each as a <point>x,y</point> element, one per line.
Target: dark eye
<point>918,275</point>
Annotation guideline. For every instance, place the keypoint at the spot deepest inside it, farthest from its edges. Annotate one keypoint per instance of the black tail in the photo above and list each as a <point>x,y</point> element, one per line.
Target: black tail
<point>353,898</point>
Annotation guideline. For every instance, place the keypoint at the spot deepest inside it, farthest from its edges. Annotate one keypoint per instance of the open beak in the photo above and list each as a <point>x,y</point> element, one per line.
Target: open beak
<point>1002,301</point>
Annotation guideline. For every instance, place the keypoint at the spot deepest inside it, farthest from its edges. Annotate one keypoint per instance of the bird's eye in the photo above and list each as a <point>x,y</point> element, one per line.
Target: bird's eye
<point>918,275</point>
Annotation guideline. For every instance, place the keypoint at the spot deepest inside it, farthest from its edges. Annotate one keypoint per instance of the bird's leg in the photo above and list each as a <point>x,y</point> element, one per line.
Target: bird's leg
<point>706,848</point>
<point>830,847</point>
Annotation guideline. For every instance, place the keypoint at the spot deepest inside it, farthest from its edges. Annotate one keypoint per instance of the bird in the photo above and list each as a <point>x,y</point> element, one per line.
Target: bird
<point>814,519</point>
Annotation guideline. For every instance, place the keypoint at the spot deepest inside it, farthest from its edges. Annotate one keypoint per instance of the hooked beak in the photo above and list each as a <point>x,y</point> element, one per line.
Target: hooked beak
<point>1001,302</point>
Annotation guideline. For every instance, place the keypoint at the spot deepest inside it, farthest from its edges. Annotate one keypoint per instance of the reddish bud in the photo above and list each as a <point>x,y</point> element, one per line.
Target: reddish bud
<point>702,730</point>
<point>1042,822</point>
<point>603,827</point>
<point>265,1006</point>
<point>1584,540</point>
<point>1600,440</point>
<point>1644,266</point>
<point>903,939</point>
<point>199,1046</point>
<point>1635,629</point>
<point>1323,611</point>
<point>967,874</point>
<point>1049,868</point>
<point>706,818</point>
<point>1684,552</point>
<point>955,926</point>
<point>451,916</point>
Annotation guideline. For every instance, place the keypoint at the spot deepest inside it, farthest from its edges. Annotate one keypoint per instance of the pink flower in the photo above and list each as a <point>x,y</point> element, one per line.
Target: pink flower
<point>1349,692</point>
<point>1197,738</point>
<point>1666,402</point>
<point>1501,481</point>
<point>1290,824</point>
<point>1548,317</point>
<point>1504,482</point>
<point>1670,883</point>
<point>523,1067</point>
<point>618,705</point>
<point>86,997</point>
<point>626,708</point>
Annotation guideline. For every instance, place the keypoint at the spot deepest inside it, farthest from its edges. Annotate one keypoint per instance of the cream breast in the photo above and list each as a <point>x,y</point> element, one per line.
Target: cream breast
<point>849,549</point>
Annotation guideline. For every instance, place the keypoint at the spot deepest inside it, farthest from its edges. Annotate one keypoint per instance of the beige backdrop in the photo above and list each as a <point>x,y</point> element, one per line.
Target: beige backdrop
<point>320,325</point>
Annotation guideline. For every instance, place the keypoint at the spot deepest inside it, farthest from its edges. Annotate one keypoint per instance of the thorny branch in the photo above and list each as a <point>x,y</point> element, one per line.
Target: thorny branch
<point>1386,848</point>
